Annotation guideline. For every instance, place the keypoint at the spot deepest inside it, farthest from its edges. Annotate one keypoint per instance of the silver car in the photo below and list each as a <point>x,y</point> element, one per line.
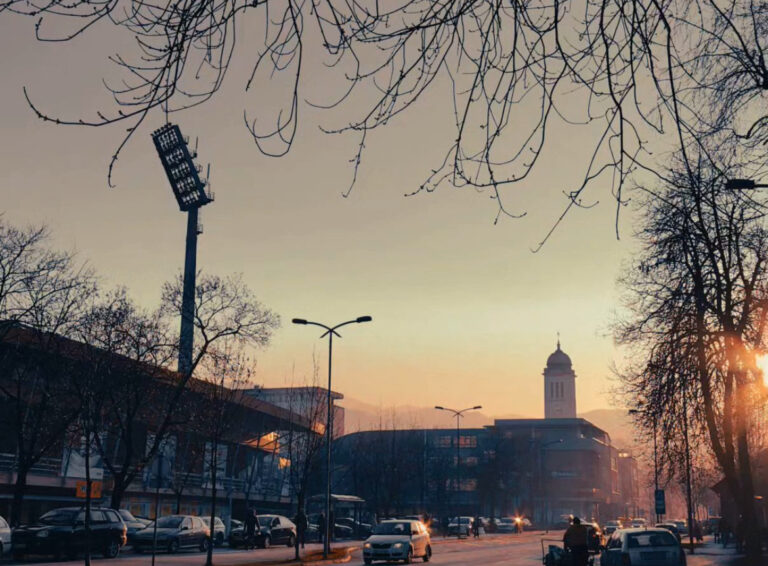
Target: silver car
<point>642,547</point>
<point>398,540</point>
<point>5,538</point>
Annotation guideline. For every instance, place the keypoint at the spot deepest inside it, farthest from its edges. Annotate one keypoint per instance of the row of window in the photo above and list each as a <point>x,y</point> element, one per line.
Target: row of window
<point>464,441</point>
<point>556,389</point>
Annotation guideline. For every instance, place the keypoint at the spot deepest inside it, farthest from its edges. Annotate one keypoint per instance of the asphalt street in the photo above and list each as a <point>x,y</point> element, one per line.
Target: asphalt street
<point>492,550</point>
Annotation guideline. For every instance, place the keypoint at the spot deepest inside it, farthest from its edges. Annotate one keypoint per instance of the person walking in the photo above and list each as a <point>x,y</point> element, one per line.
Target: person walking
<point>301,526</point>
<point>476,524</point>
<point>576,541</point>
<point>321,527</point>
<point>251,527</point>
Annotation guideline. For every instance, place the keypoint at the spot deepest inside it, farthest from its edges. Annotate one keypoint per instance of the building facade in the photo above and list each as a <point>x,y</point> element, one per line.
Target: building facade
<point>546,469</point>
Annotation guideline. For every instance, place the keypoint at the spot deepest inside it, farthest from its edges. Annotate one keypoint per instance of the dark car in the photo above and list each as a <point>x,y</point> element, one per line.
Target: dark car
<point>132,524</point>
<point>61,532</point>
<point>174,532</point>
<point>358,528</point>
<point>274,529</point>
<point>219,529</point>
<point>672,528</point>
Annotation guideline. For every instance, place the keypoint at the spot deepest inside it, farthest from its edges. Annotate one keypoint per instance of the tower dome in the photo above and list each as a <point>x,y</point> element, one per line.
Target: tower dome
<point>559,359</point>
<point>559,386</point>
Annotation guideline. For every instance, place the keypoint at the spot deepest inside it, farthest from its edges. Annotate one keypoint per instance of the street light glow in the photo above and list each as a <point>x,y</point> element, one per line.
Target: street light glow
<point>761,361</point>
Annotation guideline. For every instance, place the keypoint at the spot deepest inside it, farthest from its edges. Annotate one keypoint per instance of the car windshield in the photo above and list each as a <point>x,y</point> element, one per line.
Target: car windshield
<point>640,540</point>
<point>126,515</point>
<point>59,517</point>
<point>207,521</point>
<point>392,529</point>
<point>171,522</point>
<point>265,519</point>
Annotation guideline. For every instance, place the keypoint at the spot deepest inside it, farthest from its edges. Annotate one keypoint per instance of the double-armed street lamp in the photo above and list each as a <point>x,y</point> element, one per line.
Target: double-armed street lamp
<point>330,331</point>
<point>458,415</point>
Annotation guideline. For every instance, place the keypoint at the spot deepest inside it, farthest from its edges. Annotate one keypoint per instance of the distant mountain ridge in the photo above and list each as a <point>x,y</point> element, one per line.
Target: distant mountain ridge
<point>360,416</point>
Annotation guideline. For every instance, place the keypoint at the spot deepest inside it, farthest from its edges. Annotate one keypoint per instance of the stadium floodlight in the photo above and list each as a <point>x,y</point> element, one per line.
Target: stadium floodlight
<point>180,168</point>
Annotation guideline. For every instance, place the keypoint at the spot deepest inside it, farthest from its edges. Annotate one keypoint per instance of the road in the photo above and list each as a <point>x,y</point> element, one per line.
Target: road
<point>492,550</point>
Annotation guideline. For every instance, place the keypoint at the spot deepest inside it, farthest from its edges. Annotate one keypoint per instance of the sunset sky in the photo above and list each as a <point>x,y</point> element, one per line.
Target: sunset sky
<point>464,313</point>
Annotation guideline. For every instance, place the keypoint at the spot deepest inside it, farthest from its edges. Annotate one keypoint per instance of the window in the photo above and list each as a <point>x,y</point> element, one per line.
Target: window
<point>444,441</point>
<point>98,516</point>
<point>186,523</point>
<point>112,516</point>
<point>468,441</point>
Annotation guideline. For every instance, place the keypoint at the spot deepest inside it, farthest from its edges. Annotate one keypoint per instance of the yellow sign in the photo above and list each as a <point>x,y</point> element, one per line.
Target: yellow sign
<point>81,488</point>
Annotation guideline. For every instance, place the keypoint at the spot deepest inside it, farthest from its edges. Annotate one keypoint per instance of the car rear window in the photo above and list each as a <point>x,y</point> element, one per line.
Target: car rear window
<point>644,540</point>
<point>59,517</point>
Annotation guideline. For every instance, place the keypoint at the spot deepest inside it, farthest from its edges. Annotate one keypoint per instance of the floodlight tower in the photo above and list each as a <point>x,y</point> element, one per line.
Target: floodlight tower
<point>190,193</point>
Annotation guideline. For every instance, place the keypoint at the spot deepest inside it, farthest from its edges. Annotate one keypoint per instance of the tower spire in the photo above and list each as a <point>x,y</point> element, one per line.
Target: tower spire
<point>558,339</point>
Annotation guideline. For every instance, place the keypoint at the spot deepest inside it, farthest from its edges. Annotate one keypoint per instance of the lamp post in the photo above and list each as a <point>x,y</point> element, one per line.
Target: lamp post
<point>189,190</point>
<point>330,331</point>
<point>743,185</point>
<point>458,415</point>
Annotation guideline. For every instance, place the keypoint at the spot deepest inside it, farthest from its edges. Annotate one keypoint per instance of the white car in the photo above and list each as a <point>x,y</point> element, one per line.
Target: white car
<point>642,547</point>
<point>5,538</point>
<point>398,540</point>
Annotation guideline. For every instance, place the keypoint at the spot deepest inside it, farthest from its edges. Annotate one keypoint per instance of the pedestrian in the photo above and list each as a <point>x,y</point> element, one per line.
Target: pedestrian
<point>301,526</point>
<point>476,524</point>
<point>725,531</point>
<point>739,536</point>
<point>321,527</point>
<point>251,528</point>
<point>576,541</point>
<point>445,523</point>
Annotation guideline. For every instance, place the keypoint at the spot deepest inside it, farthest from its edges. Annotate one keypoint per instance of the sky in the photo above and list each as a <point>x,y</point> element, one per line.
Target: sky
<point>463,312</point>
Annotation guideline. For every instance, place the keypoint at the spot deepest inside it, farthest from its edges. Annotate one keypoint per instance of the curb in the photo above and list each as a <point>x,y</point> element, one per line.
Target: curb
<point>292,562</point>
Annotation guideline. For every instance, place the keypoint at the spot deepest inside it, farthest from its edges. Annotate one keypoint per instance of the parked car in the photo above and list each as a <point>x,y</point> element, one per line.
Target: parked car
<point>5,537</point>
<point>609,530</point>
<point>61,532</point>
<point>398,540</point>
<point>219,530</point>
<point>643,547</point>
<point>682,527</point>
<point>461,525</point>
<point>672,528</point>
<point>274,529</point>
<point>132,524</point>
<point>174,532</point>
<point>637,523</point>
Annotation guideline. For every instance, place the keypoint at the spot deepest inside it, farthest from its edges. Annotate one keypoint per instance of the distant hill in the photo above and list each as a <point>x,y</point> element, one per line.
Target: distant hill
<point>361,416</point>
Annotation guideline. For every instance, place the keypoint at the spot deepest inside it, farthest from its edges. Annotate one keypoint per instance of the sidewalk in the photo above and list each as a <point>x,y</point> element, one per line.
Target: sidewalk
<point>713,554</point>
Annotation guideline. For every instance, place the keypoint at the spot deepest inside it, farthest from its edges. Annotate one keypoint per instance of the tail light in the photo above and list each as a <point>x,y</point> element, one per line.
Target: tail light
<point>625,559</point>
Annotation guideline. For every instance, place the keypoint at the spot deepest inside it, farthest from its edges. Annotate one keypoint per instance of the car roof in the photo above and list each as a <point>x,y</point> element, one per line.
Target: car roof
<point>644,530</point>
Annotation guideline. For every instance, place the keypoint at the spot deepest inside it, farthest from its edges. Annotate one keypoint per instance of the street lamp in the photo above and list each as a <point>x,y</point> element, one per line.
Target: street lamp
<point>458,415</point>
<point>189,190</point>
<point>330,331</point>
<point>743,185</point>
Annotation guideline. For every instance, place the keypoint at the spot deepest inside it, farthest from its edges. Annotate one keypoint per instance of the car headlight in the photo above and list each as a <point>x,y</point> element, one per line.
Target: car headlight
<point>397,545</point>
<point>367,545</point>
<point>43,534</point>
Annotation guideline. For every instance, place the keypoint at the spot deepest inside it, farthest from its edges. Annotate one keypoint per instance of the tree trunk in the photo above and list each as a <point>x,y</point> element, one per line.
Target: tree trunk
<point>119,488</point>
<point>19,489</point>
<point>88,498</point>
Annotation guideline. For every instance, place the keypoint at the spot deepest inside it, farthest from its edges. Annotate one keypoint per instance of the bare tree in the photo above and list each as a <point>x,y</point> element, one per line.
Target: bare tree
<point>41,293</point>
<point>630,77</point>
<point>697,298</point>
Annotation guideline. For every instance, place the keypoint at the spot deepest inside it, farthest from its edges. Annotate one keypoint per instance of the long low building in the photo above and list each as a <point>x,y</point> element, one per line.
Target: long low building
<point>39,404</point>
<point>545,469</point>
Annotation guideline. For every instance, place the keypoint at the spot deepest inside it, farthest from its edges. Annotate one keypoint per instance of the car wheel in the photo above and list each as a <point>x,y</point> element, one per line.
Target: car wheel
<point>173,546</point>
<point>219,538</point>
<point>409,558</point>
<point>204,545</point>
<point>265,542</point>
<point>291,541</point>
<point>427,554</point>
<point>112,550</point>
